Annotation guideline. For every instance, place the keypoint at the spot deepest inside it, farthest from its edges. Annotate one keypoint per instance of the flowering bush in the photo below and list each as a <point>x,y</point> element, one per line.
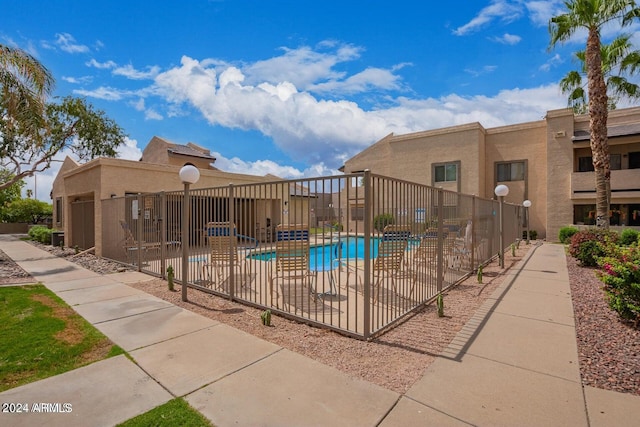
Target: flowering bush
<point>621,275</point>
<point>587,245</point>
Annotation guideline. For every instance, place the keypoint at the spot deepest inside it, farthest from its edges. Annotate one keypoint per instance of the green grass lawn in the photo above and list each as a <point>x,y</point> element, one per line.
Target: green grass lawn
<point>175,412</point>
<point>42,336</point>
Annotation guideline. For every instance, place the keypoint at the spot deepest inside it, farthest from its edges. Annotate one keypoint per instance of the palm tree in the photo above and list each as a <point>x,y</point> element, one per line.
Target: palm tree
<point>592,15</point>
<point>618,62</point>
<point>24,86</point>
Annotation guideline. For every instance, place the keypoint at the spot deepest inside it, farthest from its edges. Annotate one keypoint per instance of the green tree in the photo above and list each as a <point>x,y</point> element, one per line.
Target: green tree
<point>33,130</point>
<point>24,86</point>
<point>27,210</point>
<point>72,124</point>
<point>592,15</point>
<point>10,193</point>
<point>619,62</point>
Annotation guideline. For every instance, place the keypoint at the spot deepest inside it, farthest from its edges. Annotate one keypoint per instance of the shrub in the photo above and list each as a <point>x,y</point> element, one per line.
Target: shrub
<point>629,236</point>
<point>566,233</point>
<point>588,245</point>
<point>381,221</point>
<point>621,275</point>
<point>589,252</point>
<point>533,235</point>
<point>41,233</point>
<point>605,237</point>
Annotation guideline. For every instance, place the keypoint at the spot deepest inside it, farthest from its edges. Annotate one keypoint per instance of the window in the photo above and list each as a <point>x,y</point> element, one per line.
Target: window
<point>634,160</point>
<point>585,164</point>
<point>446,172</point>
<point>513,171</point>
<point>59,211</point>
<point>615,161</point>
<point>357,212</point>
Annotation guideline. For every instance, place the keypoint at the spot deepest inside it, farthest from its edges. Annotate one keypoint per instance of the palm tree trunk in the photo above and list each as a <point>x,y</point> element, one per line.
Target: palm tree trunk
<point>598,115</point>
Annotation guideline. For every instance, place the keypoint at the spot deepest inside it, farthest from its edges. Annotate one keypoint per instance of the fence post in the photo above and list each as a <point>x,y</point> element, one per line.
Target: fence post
<point>440,257</point>
<point>163,236</point>
<point>473,232</point>
<point>366,292</point>
<point>232,247</point>
<point>139,228</point>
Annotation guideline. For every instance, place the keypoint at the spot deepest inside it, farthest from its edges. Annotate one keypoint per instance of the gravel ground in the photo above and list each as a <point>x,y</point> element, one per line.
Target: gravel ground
<point>609,350</point>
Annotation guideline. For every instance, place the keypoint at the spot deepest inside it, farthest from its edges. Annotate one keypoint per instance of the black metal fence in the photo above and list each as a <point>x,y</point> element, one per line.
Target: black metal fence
<point>354,253</point>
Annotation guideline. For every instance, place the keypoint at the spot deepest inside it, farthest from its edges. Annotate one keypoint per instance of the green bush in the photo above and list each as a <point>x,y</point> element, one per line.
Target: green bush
<point>589,252</point>
<point>41,233</point>
<point>629,236</point>
<point>566,233</point>
<point>533,235</point>
<point>621,275</point>
<point>382,220</point>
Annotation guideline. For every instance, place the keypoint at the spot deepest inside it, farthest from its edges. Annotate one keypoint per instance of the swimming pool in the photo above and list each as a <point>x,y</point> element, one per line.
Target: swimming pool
<point>324,255</point>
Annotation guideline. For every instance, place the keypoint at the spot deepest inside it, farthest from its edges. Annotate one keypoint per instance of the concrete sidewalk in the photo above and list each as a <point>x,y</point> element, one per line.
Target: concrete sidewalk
<point>514,363</point>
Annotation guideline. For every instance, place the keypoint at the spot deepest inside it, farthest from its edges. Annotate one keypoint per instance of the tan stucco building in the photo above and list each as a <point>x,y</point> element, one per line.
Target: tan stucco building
<point>546,161</point>
<point>79,189</point>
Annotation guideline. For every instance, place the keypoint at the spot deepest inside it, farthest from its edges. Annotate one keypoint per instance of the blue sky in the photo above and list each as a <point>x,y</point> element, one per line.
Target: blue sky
<point>294,88</point>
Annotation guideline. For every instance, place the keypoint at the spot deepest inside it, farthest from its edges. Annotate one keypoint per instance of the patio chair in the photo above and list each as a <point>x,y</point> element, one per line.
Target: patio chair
<point>131,245</point>
<point>223,253</point>
<point>426,254</point>
<point>291,260</point>
<point>390,261</point>
<point>460,250</point>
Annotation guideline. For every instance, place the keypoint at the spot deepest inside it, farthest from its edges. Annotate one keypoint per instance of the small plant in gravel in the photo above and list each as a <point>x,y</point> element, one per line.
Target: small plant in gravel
<point>479,276</point>
<point>621,275</point>
<point>440,304</point>
<point>170,275</point>
<point>265,318</point>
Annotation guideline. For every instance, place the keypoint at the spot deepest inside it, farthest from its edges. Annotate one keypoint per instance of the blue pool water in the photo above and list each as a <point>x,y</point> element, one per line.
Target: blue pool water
<point>323,256</point>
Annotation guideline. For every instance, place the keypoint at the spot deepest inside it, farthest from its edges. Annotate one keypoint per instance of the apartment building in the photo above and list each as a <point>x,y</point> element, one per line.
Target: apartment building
<point>547,162</point>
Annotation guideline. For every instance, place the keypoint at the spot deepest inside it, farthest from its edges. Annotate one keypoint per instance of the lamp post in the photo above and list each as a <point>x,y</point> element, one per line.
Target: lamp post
<point>189,174</point>
<point>501,191</point>
<point>527,205</point>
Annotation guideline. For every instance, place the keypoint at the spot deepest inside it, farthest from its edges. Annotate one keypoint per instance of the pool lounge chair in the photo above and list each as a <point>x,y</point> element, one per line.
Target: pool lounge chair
<point>390,261</point>
<point>223,254</point>
<point>291,264</point>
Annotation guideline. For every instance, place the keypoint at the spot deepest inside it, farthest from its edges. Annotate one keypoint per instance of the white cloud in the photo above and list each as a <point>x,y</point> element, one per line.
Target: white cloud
<point>129,150</point>
<point>509,39</point>
<point>67,43</point>
<point>77,80</point>
<point>369,79</point>
<point>552,62</point>
<point>151,114</point>
<point>487,69</point>
<point>315,130</point>
<point>107,93</point>
<point>265,167</point>
<point>540,12</point>
<point>302,66</point>
<point>101,65</point>
<point>503,10</point>
<point>131,73</point>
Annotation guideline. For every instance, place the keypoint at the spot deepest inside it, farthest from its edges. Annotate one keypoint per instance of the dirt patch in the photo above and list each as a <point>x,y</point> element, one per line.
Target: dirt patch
<point>72,333</point>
